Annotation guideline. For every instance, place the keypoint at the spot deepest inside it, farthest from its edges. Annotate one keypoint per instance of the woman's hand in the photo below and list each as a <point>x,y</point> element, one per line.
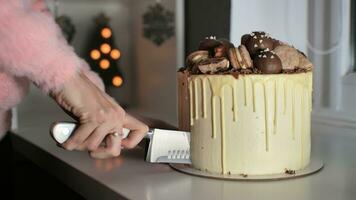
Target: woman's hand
<point>99,117</point>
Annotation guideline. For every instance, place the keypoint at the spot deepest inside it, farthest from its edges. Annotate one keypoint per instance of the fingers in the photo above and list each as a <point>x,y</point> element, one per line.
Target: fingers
<point>137,131</point>
<point>93,137</point>
<point>79,136</point>
<point>97,136</point>
<point>111,149</point>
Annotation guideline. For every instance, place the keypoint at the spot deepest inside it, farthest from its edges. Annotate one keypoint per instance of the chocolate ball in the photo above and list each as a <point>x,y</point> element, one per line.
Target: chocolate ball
<point>245,38</point>
<point>259,41</point>
<point>268,62</point>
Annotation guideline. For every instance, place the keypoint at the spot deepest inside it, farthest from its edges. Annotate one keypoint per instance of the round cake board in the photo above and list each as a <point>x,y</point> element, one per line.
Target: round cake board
<point>314,166</point>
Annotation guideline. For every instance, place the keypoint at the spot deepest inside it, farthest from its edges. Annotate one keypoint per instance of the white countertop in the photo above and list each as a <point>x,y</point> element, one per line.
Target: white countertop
<point>130,177</point>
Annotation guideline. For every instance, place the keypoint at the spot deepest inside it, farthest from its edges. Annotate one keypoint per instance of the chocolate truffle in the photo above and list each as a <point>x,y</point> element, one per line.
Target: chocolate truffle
<point>245,38</point>
<point>259,41</point>
<point>268,62</point>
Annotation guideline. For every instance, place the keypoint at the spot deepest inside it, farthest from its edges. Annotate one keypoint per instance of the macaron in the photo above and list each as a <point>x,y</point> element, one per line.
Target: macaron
<point>259,41</point>
<point>246,58</point>
<point>289,56</point>
<point>240,57</point>
<point>268,62</point>
<point>213,65</point>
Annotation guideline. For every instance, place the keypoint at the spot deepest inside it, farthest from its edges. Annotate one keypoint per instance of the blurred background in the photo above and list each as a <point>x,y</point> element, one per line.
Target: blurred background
<point>138,45</point>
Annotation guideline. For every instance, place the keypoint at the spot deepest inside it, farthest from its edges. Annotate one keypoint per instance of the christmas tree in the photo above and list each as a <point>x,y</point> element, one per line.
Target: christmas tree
<point>103,55</point>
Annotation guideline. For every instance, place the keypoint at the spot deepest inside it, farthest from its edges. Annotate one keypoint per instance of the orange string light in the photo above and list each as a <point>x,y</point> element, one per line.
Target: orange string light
<point>105,48</point>
<point>95,54</point>
<point>104,64</point>
<point>106,33</point>
<point>117,81</point>
<point>115,54</point>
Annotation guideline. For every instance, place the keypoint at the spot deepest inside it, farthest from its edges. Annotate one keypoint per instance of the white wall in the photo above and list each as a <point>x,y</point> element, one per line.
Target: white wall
<point>156,68</point>
<point>283,19</point>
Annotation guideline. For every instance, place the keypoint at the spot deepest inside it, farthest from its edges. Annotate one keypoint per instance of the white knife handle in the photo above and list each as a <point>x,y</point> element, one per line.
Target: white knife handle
<point>61,131</point>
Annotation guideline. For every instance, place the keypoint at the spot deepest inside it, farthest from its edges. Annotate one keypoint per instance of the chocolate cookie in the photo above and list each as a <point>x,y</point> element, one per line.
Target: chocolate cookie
<point>289,56</point>
<point>304,62</point>
<point>223,49</point>
<point>213,65</point>
<point>209,44</point>
<point>196,57</point>
<point>268,62</point>
<point>259,41</point>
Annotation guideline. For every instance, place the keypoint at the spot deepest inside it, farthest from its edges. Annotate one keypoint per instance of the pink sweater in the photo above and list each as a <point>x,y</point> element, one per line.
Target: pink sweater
<point>32,49</point>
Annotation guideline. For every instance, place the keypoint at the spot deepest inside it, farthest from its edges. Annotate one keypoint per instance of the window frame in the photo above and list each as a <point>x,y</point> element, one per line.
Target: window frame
<point>353,35</point>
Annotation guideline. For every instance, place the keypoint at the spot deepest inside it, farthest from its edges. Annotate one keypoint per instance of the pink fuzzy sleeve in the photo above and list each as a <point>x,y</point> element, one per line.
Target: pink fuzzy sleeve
<point>12,90</point>
<point>31,46</point>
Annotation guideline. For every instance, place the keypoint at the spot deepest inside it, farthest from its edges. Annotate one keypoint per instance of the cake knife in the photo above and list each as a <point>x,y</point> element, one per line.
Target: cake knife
<point>165,146</point>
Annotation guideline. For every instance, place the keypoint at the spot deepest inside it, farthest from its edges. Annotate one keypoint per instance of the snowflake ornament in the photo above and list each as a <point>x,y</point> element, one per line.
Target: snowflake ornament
<point>158,24</point>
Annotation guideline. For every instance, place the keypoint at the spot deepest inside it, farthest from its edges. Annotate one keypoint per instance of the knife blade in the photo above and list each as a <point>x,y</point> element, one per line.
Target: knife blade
<point>165,146</point>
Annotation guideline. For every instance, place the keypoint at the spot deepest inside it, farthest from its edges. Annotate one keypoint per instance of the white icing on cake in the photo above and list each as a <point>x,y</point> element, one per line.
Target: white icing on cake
<point>255,124</point>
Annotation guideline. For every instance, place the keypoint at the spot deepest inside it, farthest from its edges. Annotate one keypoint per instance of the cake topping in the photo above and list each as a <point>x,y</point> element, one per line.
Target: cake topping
<point>246,58</point>
<point>213,65</point>
<point>268,63</point>
<point>211,37</point>
<point>196,57</point>
<point>257,54</point>
<point>223,49</point>
<point>245,38</point>
<point>209,44</point>
<point>289,56</point>
<point>277,43</point>
<point>240,58</point>
<point>304,63</point>
<point>260,41</point>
